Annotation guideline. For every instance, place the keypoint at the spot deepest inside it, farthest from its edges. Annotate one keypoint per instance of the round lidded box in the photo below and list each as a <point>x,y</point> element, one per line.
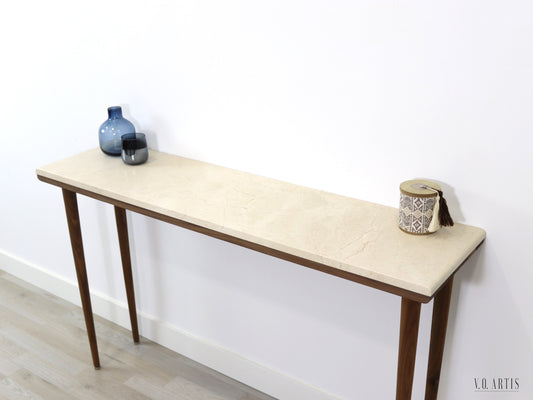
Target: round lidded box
<point>417,203</point>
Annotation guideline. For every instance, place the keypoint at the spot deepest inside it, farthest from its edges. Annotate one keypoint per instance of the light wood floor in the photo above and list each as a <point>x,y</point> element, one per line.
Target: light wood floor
<point>44,354</point>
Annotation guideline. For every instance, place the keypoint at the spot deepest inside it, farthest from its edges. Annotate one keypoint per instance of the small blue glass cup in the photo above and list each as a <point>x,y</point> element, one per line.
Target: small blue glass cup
<point>134,148</point>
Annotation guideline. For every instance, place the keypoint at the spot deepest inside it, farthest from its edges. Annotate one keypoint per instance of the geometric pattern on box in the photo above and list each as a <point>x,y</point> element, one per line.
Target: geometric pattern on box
<point>416,213</point>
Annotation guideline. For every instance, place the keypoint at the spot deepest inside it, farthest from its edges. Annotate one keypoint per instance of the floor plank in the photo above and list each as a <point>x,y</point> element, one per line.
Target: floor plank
<point>44,354</point>
<point>36,384</point>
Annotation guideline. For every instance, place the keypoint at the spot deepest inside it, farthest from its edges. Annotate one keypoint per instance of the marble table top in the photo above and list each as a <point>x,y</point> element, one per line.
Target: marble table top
<point>355,236</point>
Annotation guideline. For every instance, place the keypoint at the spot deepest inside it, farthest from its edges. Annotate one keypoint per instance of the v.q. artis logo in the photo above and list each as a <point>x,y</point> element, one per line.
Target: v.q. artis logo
<point>498,384</point>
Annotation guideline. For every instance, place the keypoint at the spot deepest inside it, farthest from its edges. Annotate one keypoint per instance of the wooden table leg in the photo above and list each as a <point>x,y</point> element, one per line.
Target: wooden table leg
<point>441,308</point>
<point>73,220</point>
<point>122,229</point>
<point>410,318</point>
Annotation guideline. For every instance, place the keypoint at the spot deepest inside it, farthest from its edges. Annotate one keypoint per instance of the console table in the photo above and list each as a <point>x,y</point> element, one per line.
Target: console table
<point>341,236</point>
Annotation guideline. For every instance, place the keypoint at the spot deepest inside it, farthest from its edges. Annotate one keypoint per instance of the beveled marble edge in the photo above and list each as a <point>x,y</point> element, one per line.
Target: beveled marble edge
<point>427,288</point>
<point>475,245</point>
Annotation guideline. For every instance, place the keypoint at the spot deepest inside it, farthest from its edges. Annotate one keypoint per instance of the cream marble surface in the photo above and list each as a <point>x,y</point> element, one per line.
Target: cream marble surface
<point>353,235</point>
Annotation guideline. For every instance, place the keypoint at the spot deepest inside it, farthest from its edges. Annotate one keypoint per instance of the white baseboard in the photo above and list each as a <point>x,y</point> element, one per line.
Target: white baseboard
<point>227,362</point>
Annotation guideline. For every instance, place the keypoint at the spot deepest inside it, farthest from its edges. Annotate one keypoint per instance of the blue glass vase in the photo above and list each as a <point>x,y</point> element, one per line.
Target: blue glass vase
<point>111,131</point>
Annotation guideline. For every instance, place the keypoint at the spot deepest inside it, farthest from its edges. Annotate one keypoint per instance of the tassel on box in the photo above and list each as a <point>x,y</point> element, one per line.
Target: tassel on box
<point>441,214</point>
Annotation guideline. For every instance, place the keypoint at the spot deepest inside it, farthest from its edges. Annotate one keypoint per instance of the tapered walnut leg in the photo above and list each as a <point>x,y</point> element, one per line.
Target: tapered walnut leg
<point>410,318</point>
<point>441,308</point>
<point>73,220</point>
<point>122,229</point>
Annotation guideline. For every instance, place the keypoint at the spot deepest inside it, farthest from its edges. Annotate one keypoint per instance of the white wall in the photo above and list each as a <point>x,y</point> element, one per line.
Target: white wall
<point>349,97</point>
